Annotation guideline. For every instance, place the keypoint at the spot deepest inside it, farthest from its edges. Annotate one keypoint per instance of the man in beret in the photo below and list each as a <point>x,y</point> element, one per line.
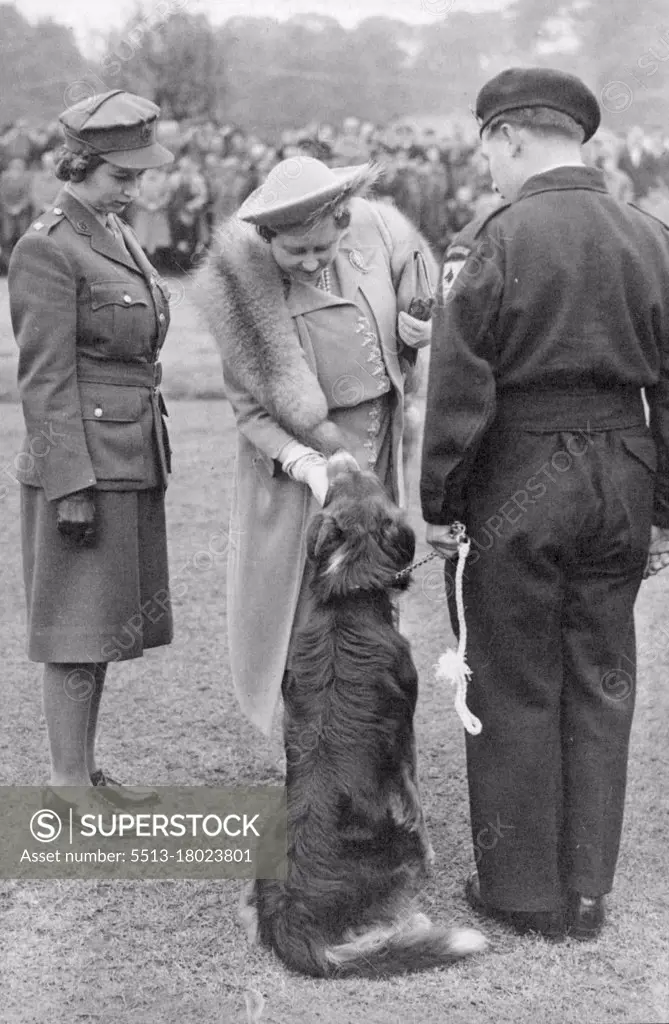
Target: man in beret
<point>552,315</point>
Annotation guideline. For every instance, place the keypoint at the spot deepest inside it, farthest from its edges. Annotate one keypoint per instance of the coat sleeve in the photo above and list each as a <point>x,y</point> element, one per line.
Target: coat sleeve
<point>461,378</point>
<point>657,397</point>
<point>255,423</point>
<point>43,304</point>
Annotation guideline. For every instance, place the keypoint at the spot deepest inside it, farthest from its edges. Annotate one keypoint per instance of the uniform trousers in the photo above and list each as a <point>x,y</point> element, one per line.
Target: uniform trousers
<point>559,513</point>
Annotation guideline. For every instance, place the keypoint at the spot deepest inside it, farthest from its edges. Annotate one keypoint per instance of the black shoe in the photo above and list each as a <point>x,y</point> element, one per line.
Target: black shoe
<point>548,923</point>
<point>586,917</point>
<point>123,796</point>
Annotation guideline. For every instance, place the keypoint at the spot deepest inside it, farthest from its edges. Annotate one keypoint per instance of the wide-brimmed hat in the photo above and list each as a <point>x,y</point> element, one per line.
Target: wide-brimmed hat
<point>301,189</point>
<point>117,126</point>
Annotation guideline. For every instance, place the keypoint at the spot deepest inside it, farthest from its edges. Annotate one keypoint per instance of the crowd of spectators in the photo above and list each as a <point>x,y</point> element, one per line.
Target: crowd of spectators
<point>438,179</point>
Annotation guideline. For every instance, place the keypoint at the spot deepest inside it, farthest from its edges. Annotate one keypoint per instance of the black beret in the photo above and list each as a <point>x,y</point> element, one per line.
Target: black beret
<point>538,87</point>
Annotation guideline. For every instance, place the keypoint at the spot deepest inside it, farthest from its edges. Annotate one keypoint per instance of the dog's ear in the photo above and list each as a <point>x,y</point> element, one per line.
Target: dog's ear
<point>323,533</point>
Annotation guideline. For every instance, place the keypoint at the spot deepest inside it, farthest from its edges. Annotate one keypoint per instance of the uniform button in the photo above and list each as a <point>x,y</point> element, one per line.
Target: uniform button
<point>127,298</point>
<point>97,412</point>
<point>57,210</point>
<point>162,318</point>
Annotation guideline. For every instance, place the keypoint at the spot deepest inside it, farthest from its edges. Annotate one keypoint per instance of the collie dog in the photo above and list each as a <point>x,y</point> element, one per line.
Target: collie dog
<point>357,843</point>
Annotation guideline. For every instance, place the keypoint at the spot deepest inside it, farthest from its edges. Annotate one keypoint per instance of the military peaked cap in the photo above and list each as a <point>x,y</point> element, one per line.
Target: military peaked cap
<point>119,127</point>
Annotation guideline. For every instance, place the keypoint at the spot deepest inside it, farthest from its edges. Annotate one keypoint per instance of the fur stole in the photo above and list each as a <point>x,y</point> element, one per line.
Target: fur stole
<point>241,295</point>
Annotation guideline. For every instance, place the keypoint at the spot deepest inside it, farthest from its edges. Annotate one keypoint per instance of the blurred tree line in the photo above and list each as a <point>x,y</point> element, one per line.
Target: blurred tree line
<point>269,75</point>
<point>36,64</point>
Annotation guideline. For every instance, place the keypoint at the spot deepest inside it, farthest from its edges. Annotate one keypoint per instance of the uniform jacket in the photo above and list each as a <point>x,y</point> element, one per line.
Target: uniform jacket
<point>565,288</point>
<point>89,321</point>
<point>267,346</point>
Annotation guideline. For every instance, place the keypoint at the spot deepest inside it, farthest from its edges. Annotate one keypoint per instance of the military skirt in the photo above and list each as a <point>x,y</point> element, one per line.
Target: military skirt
<point>108,602</point>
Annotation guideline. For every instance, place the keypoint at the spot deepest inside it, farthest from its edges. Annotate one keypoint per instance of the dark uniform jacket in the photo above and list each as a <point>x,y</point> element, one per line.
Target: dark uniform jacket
<point>531,299</point>
<point>89,320</point>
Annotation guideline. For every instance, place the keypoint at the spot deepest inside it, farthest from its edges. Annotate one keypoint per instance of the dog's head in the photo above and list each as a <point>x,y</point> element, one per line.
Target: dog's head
<point>360,540</point>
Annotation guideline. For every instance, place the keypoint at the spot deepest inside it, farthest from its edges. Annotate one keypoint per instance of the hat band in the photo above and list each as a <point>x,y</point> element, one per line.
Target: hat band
<point>112,140</point>
<point>530,105</point>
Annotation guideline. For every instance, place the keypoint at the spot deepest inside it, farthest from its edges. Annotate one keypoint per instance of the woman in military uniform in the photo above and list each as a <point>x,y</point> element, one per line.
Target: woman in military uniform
<point>90,317</point>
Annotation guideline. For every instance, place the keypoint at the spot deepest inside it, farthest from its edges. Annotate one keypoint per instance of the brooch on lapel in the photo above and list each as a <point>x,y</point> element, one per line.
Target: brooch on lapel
<point>356,260</point>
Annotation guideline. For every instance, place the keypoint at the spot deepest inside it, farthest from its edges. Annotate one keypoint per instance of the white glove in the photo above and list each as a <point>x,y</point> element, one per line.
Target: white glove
<point>414,333</point>
<point>307,466</point>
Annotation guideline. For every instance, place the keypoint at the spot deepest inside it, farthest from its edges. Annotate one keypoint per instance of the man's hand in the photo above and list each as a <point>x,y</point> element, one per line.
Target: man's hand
<point>414,333</point>
<point>658,551</point>
<point>75,517</point>
<point>443,539</point>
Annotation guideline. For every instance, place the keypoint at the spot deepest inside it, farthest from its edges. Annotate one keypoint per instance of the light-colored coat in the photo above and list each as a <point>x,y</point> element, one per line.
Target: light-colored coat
<point>268,366</point>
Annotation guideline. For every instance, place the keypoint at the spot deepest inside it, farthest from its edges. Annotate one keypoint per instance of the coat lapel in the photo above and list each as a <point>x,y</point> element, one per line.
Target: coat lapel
<point>355,267</point>
<point>305,298</point>
<point>105,243</point>
<point>136,251</point>
<point>85,223</point>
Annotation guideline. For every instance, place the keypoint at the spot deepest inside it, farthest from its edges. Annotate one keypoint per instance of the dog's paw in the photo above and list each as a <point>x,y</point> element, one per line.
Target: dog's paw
<point>466,941</point>
<point>341,462</point>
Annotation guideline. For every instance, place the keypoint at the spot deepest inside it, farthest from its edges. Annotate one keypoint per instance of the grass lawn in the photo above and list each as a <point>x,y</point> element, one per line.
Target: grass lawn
<point>172,952</point>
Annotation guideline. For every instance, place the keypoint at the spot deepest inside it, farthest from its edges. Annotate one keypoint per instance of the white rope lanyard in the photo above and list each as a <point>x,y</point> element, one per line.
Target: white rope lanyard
<point>452,666</point>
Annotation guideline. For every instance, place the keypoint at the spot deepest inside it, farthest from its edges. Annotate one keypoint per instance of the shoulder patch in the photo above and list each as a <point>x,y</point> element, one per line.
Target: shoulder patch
<point>452,267</point>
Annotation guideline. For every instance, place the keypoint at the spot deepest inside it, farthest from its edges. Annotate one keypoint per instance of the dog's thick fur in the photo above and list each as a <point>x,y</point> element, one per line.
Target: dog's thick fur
<point>357,841</point>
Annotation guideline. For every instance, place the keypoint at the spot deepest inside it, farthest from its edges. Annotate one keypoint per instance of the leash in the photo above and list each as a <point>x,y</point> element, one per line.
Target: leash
<point>414,565</point>
<point>452,666</point>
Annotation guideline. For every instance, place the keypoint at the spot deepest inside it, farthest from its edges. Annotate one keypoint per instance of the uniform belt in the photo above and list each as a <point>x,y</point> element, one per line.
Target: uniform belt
<point>109,371</point>
<point>549,410</point>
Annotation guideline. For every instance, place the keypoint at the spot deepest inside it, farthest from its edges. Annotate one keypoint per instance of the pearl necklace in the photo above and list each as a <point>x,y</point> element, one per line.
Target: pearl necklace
<point>325,281</point>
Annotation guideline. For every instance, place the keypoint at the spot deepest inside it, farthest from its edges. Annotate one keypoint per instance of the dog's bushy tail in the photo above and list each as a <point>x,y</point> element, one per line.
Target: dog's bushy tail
<point>416,945</point>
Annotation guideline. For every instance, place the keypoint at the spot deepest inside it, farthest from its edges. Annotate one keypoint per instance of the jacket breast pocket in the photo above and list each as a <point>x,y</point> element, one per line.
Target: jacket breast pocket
<point>112,425</point>
<point>120,309</point>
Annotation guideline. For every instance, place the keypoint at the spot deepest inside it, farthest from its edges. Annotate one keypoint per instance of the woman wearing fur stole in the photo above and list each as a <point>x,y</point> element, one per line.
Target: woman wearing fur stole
<point>304,293</point>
